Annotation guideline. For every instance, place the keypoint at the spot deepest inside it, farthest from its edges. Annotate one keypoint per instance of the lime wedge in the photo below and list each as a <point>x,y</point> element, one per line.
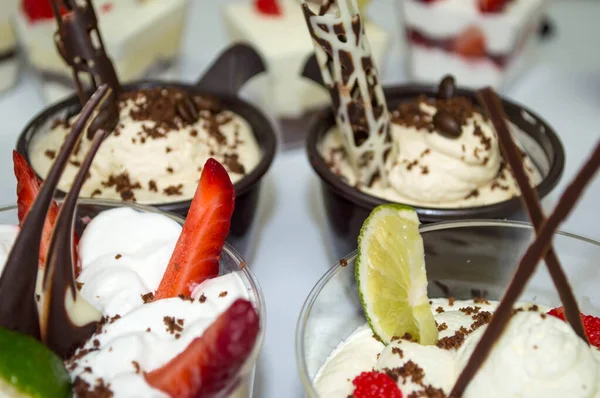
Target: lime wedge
<point>391,276</point>
<point>29,369</point>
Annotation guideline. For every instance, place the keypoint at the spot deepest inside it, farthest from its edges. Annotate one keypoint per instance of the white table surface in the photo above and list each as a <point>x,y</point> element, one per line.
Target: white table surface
<point>291,250</point>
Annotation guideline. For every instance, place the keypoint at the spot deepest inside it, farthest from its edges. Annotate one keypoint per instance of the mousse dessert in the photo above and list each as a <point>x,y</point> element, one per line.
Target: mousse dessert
<point>142,37</point>
<point>444,154</point>
<point>9,65</point>
<point>413,346</point>
<point>481,42</point>
<point>276,28</point>
<point>156,152</point>
<point>136,305</point>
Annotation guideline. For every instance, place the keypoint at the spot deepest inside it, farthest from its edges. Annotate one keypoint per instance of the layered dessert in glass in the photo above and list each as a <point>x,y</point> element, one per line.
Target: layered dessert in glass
<point>143,37</point>
<point>131,300</point>
<point>481,42</point>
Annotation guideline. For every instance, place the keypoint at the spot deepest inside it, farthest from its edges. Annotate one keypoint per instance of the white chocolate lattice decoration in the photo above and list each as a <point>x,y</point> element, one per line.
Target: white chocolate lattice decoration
<point>347,68</point>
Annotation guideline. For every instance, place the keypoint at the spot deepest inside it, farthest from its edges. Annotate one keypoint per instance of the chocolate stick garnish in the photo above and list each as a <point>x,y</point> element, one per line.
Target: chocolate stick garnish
<point>525,270</point>
<point>67,320</point>
<point>344,58</point>
<point>18,309</point>
<point>79,42</point>
<point>529,196</point>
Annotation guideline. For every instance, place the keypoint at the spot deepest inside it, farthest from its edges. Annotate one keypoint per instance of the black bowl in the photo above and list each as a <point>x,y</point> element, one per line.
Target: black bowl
<point>247,189</point>
<point>347,207</point>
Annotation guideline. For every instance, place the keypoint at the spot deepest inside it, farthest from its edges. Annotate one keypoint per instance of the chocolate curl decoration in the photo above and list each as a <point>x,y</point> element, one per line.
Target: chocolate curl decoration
<point>525,270</point>
<point>18,308</point>
<point>79,42</point>
<point>344,57</point>
<point>512,154</point>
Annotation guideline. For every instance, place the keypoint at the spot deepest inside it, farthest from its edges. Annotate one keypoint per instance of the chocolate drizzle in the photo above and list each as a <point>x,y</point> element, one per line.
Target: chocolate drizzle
<point>79,42</point>
<point>18,309</point>
<point>538,249</point>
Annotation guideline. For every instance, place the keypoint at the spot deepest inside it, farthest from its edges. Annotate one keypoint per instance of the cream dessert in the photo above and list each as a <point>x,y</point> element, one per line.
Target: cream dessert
<point>481,42</point>
<point>140,36</point>
<point>277,29</point>
<point>432,166</point>
<point>9,66</point>
<point>119,275</point>
<point>525,355</point>
<point>156,153</point>
<point>138,306</point>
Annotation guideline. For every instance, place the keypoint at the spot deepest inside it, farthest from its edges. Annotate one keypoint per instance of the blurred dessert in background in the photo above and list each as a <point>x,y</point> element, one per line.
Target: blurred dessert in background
<point>9,69</point>
<point>480,42</point>
<point>141,37</point>
<point>277,29</point>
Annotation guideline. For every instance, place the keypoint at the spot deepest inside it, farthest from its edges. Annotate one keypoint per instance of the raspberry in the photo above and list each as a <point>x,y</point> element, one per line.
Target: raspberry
<point>591,325</point>
<point>375,385</point>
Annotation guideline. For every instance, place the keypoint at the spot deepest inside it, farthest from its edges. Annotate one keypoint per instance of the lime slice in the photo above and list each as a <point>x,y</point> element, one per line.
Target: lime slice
<point>29,369</point>
<point>391,276</point>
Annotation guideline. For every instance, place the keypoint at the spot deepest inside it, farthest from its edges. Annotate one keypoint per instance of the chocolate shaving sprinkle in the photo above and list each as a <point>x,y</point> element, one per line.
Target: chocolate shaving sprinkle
<point>122,185</point>
<point>173,190</point>
<point>79,285</point>
<point>186,298</point>
<point>118,256</point>
<point>202,298</point>
<point>223,294</point>
<point>173,326</point>
<point>152,186</point>
<point>50,154</point>
<point>148,297</point>
<point>136,366</point>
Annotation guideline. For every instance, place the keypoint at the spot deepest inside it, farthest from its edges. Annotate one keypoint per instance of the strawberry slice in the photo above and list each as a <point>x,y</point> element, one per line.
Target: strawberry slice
<point>196,255</point>
<point>491,6</point>
<point>268,7</point>
<point>470,43</point>
<point>210,363</point>
<point>28,187</point>
<point>591,324</point>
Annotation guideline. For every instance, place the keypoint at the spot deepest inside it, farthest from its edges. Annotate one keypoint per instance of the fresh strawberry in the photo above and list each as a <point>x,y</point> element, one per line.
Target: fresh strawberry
<point>470,43</point>
<point>40,9</point>
<point>491,6</point>
<point>375,385</point>
<point>591,324</point>
<point>210,363</point>
<point>268,7</point>
<point>28,187</point>
<point>196,255</point>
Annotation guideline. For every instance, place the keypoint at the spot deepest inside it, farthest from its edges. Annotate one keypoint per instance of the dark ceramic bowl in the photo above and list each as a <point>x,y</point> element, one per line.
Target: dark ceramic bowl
<point>247,189</point>
<point>347,207</point>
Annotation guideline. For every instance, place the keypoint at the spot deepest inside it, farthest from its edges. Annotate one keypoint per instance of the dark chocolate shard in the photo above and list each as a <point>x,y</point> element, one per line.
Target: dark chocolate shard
<point>67,320</point>
<point>18,309</point>
<point>79,42</point>
<point>232,69</point>
<point>525,270</point>
<point>312,71</point>
<point>512,154</point>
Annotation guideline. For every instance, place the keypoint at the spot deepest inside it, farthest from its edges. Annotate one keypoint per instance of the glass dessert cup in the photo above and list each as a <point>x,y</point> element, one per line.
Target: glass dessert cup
<point>347,207</point>
<point>247,189</point>
<point>241,386</point>
<point>463,259</point>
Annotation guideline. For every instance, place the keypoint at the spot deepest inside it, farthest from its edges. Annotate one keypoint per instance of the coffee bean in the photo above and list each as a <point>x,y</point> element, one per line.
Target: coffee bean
<point>447,87</point>
<point>445,124</point>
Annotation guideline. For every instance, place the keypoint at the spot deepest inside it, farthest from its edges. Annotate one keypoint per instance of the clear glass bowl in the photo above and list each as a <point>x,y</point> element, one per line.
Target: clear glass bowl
<point>463,259</point>
<point>230,262</point>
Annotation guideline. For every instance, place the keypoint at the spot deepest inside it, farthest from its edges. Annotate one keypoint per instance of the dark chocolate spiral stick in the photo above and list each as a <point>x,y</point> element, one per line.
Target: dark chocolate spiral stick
<point>79,42</point>
<point>18,308</point>
<point>512,154</point>
<point>525,270</point>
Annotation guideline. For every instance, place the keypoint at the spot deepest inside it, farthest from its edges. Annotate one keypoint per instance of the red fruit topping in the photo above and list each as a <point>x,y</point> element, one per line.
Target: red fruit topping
<point>268,7</point>
<point>470,43</point>
<point>490,6</point>
<point>210,363</point>
<point>196,255</point>
<point>375,385</point>
<point>591,324</point>
<point>40,9</point>
<point>28,187</point>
